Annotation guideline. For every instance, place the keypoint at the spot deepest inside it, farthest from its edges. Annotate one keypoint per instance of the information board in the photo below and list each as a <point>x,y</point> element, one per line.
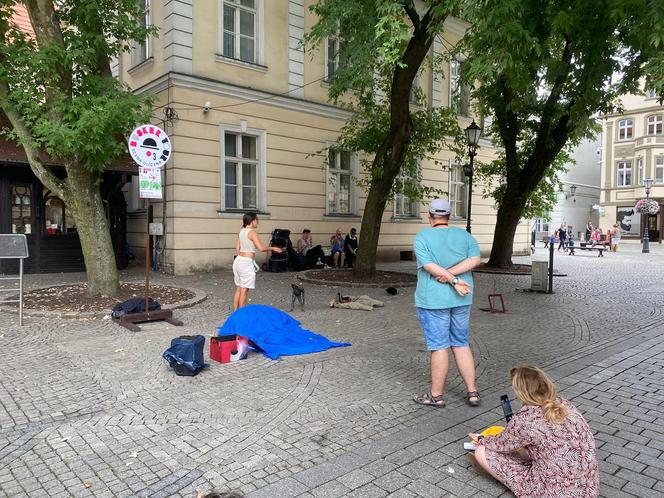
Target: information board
<point>13,245</point>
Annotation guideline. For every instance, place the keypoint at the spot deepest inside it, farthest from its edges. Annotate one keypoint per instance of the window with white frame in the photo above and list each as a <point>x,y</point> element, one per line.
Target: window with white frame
<point>624,173</point>
<point>142,51</point>
<point>651,93</point>
<point>459,91</point>
<point>239,25</point>
<point>340,185</point>
<point>331,57</point>
<point>458,192</point>
<point>625,129</point>
<point>639,170</point>
<point>659,170</point>
<point>414,91</point>
<point>655,125</point>
<point>403,206</point>
<point>243,170</point>
<point>542,225</point>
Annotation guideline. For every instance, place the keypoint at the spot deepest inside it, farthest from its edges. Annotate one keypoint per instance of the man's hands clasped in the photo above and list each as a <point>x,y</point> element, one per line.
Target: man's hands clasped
<point>461,286</point>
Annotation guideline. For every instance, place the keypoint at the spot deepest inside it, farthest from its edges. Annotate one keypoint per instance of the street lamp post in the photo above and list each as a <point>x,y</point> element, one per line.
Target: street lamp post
<point>473,134</point>
<point>647,183</point>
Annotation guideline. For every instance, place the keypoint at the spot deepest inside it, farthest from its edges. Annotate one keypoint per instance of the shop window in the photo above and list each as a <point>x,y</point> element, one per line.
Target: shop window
<point>55,216</point>
<point>21,198</point>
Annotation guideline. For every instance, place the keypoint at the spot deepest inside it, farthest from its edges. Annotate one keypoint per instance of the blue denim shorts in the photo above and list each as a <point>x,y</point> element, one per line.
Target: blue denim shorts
<point>445,328</point>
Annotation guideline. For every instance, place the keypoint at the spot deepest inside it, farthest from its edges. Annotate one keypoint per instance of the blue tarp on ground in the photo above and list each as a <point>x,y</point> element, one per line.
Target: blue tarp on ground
<point>276,333</point>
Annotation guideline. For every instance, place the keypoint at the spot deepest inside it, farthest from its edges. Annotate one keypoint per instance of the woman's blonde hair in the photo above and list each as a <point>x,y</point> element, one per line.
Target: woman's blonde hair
<point>533,387</point>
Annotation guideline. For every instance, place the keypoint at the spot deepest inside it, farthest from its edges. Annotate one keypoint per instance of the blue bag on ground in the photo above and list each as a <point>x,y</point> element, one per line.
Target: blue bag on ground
<point>185,356</point>
<point>274,332</point>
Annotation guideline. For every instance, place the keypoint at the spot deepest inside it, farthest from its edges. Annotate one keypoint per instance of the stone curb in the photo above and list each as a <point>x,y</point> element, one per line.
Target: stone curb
<point>303,275</point>
<point>199,297</point>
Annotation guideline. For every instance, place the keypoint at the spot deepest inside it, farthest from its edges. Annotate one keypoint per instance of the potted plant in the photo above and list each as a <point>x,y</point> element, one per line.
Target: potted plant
<point>647,206</point>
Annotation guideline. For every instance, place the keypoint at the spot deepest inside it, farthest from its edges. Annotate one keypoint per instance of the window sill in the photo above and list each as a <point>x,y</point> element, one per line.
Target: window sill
<point>240,63</point>
<point>141,65</point>
<point>341,216</point>
<point>625,140</point>
<point>406,219</point>
<point>239,213</point>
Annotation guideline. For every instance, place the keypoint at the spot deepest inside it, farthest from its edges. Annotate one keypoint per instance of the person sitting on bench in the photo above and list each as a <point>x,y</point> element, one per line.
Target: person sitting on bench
<point>310,253</point>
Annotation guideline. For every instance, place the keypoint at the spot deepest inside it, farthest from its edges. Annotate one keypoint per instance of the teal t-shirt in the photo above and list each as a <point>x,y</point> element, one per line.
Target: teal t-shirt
<point>444,247</point>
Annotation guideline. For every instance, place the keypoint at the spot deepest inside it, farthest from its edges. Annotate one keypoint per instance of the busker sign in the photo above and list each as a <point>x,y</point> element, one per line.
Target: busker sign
<point>150,148</point>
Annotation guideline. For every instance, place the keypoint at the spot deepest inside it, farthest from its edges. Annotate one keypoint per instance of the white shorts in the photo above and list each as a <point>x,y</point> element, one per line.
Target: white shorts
<point>244,272</point>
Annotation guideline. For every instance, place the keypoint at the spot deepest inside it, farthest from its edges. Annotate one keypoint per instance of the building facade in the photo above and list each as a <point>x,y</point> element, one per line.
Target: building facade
<point>251,129</point>
<point>633,151</point>
<point>578,201</point>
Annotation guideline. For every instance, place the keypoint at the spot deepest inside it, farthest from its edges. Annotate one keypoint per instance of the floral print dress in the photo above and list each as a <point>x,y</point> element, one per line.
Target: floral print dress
<point>561,459</point>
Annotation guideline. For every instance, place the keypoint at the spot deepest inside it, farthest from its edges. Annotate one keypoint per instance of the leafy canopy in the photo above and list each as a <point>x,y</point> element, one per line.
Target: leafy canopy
<point>548,68</point>
<point>59,78</point>
<point>373,37</point>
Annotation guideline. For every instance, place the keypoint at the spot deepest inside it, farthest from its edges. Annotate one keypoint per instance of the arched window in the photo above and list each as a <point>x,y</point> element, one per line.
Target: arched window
<point>55,216</point>
<point>655,125</point>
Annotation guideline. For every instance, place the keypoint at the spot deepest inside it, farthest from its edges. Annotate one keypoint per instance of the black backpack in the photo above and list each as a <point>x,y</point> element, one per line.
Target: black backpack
<point>185,356</point>
<point>134,305</point>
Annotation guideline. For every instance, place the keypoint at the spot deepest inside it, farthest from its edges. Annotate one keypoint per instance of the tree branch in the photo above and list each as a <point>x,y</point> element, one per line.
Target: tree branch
<point>411,12</point>
<point>44,174</point>
<point>47,31</point>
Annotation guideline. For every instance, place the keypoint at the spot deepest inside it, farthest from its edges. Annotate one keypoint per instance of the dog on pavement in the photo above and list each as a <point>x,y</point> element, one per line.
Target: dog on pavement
<point>298,294</point>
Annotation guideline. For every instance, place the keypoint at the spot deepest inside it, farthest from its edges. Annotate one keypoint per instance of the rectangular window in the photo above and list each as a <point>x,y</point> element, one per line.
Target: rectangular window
<point>459,92</point>
<point>141,52</point>
<point>241,171</point>
<point>414,91</point>
<point>542,225</point>
<point>625,129</point>
<point>639,171</point>
<point>624,173</point>
<point>458,192</point>
<point>340,188</point>
<point>655,125</point>
<point>403,206</point>
<point>659,170</point>
<point>652,94</point>
<point>332,57</point>
<point>239,30</point>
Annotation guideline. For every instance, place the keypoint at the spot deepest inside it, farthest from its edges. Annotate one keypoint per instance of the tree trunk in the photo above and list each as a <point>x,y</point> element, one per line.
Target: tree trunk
<point>365,265</point>
<point>85,203</point>
<point>508,216</point>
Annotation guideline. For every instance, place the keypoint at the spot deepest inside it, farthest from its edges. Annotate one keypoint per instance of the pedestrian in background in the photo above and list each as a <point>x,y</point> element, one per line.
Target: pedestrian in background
<point>445,257</point>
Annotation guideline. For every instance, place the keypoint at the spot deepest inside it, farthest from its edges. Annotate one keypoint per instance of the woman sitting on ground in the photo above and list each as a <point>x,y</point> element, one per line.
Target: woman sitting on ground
<point>547,450</point>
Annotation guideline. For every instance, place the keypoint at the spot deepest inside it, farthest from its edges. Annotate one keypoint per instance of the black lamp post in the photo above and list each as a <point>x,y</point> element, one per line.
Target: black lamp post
<point>647,183</point>
<point>473,134</point>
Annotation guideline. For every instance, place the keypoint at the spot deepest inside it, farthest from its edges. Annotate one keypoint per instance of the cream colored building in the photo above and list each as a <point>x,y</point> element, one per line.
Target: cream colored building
<point>253,130</point>
<point>633,150</point>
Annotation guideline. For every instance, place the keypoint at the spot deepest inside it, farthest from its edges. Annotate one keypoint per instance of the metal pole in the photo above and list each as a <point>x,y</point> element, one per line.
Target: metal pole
<point>646,235</point>
<point>551,244</point>
<point>20,293</point>
<point>147,255</point>
<point>470,191</point>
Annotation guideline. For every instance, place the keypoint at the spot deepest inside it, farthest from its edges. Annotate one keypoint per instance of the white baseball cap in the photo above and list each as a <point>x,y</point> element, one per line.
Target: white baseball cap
<point>440,207</point>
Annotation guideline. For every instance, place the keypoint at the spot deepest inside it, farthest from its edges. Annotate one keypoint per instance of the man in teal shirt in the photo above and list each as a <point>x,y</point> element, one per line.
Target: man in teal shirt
<point>445,257</point>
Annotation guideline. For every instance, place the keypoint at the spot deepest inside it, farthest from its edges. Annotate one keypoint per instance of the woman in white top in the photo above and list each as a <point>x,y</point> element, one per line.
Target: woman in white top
<point>244,266</point>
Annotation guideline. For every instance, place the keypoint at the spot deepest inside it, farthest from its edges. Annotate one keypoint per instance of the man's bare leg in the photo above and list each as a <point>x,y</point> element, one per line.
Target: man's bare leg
<point>440,364</point>
<point>463,356</point>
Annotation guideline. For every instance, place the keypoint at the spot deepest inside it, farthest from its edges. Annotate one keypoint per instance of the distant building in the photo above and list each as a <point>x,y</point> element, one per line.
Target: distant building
<point>633,151</point>
<point>578,201</point>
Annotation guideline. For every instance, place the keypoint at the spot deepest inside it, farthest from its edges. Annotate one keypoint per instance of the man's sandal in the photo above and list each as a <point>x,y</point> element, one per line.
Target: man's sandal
<point>429,400</point>
<point>473,398</point>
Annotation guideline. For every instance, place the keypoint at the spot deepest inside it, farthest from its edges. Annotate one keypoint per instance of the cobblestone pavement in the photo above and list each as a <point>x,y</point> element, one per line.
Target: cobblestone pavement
<point>89,409</point>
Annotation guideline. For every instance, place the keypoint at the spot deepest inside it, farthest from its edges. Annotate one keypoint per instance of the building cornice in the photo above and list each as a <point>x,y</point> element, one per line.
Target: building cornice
<point>246,94</point>
<point>632,112</point>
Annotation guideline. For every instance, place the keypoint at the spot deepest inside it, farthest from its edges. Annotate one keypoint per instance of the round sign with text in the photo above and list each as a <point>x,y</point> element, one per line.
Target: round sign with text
<point>149,146</point>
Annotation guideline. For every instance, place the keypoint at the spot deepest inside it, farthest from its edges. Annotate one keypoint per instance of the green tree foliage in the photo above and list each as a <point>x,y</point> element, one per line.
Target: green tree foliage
<point>384,45</point>
<point>547,68</point>
<point>57,90</point>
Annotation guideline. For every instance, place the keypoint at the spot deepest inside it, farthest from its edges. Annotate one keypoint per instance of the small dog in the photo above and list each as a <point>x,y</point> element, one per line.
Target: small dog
<point>298,293</point>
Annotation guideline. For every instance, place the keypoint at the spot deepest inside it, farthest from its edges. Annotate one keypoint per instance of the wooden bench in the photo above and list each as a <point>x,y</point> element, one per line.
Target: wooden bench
<point>599,248</point>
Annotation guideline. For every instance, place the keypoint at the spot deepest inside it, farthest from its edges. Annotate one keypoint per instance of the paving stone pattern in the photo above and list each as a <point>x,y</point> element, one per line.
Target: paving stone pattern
<point>90,409</point>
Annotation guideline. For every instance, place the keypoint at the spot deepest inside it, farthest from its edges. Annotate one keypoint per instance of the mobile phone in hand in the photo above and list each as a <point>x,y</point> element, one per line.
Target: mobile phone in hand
<point>507,407</point>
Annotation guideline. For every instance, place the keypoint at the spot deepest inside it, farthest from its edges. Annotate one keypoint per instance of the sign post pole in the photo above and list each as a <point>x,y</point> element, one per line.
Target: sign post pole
<point>150,148</point>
